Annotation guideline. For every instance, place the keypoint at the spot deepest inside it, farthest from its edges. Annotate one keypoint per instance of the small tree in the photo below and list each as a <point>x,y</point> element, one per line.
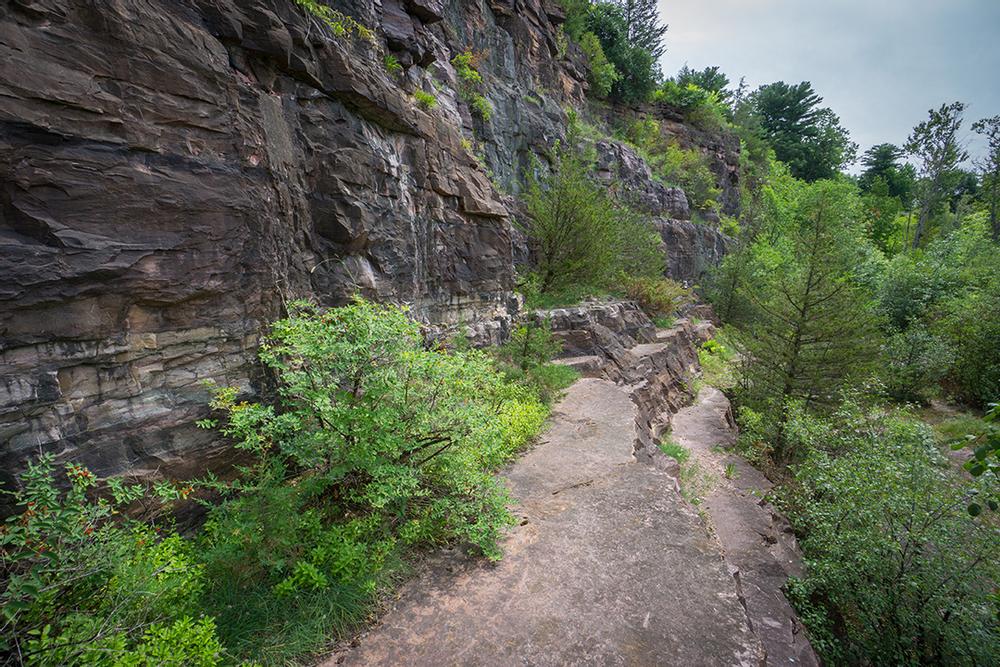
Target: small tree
<point>935,143</point>
<point>813,322</point>
<point>642,21</point>
<point>580,238</point>
<point>990,167</point>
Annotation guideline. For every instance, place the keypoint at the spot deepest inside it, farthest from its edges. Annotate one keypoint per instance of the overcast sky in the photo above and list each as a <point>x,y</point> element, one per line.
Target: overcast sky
<point>879,64</point>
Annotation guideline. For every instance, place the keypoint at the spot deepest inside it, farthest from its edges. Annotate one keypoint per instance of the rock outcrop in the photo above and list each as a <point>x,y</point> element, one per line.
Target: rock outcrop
<point>173,171</point>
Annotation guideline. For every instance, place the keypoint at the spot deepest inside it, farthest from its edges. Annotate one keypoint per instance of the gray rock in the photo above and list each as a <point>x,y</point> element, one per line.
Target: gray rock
<point>607,567</point>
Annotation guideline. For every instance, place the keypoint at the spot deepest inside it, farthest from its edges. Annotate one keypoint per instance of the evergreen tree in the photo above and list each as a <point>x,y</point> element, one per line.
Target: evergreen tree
<point>711,79</point>
<point>643,25</point>
<point>633,59</point>
<point>882,162</point>
<point>805,136</point>
<point>813,323</point>
<point>935,143</point>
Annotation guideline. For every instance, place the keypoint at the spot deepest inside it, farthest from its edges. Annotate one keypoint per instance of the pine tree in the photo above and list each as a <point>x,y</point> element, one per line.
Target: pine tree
<point>813,323</point>
<point>644,28</point>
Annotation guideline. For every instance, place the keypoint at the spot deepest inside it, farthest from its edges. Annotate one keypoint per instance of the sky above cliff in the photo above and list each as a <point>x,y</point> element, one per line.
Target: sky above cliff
<point>879,64</point>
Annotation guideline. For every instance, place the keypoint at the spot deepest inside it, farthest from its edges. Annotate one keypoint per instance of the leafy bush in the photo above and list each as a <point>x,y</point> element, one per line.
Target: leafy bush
<point>338,22</point>
<point>425,99</point>
<point>675,166</point>
<point>602,75</point>
<point>915,361</point>
<point>715,359</point>
<point>81,586</point>
<point>701,107</point>
<point>636,65</point>
<point>580,238</point>
<point>525,359</point>
<point>972,327</point>
<point>689,170</point>
<point>897,571</point>
<point>657,296</point>
<point>470,82</point>
<point>377,445</point>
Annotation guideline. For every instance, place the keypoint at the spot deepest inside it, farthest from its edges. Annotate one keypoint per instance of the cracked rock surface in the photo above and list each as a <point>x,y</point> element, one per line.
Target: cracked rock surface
<point>608,567</point>
<point>758,544</point>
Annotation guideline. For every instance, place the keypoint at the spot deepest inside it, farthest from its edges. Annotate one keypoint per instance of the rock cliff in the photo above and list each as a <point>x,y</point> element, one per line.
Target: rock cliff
<point>173,171</point>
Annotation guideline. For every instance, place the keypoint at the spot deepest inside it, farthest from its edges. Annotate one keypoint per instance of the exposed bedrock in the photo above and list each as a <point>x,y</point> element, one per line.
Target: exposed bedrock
<point>173,171</point>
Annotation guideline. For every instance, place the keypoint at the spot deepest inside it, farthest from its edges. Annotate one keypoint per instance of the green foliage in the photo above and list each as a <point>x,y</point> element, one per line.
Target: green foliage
<point>675,451</point>
<point>602,74</point>
<point>897,572</point>
<point>813,322</point>
<point>716,358</point>
<point>526,358</point>
<point>83,586</point>
<point>710,79</point>
<point>702,108</point>
<point>915,361</point>
<point>806,137</point>
<point>580,238</point>
<point>470,83</point>
<point>339,23</point>
<point>392,65</point>
<point>632,58</point>
<point>377,445</point>
<point>685,168</point>
<point>943,291</point>
<point>989,129</point>
<point>425,99</point>
<point>973,329</point>
<point>984,442</point>
<point>657,296</point>
<point>936,144</point>
<point>881,164</point>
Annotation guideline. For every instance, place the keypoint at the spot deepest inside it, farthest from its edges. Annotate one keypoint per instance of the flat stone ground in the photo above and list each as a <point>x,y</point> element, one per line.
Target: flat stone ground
<point>756,542</point>
<point>609,567</point>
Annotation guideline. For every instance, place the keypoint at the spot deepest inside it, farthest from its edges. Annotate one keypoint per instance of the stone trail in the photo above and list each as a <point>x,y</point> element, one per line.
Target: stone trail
<point>609,565</point>
<point>757,543</point>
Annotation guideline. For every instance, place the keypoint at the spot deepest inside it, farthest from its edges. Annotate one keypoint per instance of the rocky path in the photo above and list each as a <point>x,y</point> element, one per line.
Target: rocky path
<point>608,567</point>
<point>757,543</point>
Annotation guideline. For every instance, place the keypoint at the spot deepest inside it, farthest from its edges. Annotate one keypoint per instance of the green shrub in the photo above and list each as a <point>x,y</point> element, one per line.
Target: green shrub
<point>481,106</point>
<point>602,73</point>
<point>634,62</point>
<point>657,296</point>
<point>338,22</point>
<point>580,238</point>
<point>972,327</point>
<point>377,445</point>
<point>897,571</point>
<point>525,359</point>
<point>685,168</point>
<point>675,451</point>
<point>83,586</point>
<point>470,82</point>
<point>915,360</point>
<point>701,107</point>
<point>716,361</point>
<point>425,99</point>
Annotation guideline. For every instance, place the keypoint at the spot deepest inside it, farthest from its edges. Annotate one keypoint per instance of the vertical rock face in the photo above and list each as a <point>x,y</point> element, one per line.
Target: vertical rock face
<point>173,171</point>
